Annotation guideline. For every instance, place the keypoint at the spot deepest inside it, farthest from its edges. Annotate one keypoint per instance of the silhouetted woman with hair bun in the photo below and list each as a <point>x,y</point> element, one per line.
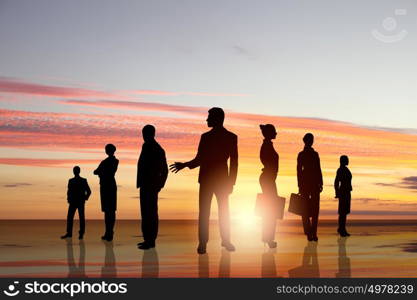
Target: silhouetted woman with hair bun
<point>343,187</point>
<point>270,160</point>
<point>108,190</point>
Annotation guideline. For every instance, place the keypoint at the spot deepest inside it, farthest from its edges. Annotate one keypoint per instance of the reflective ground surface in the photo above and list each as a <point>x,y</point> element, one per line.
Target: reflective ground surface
<point>375,249</point>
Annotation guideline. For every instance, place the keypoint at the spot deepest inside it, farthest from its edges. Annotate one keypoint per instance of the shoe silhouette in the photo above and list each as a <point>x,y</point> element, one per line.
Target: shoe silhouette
<point>315,238</point>
<point>201,249</point>
<point>146,246</point>
<point>66,236</point>
<point>80,236</point>
<point>229,246</point>
<point>107,238</point>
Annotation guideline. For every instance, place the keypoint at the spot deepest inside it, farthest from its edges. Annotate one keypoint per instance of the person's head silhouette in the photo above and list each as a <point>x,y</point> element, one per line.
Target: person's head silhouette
<point>344,160</point>
<point>76,170</point>
<point>308,139</point>
<point>215,117</point>
<point>110,149</point>
<point>148,133</point>
<point>268,131</point>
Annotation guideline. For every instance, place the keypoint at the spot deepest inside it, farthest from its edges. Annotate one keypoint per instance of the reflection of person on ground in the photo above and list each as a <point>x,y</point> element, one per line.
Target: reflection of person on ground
<point>310,184</point>
<point>74,270</point>
<point>343,260</point>
<point>78,192</point>
<point>150,264</point>
<point>215,148</point>
<point>310,264</point>
<point>343,187</point>
<point>224,265</point>
<point>109,268</point>
<point>203,266</point>
<point>269,269</point>
<point>151,176</point>
<point>270,160</point>
<point>108,190</point>
<point>310,261</point>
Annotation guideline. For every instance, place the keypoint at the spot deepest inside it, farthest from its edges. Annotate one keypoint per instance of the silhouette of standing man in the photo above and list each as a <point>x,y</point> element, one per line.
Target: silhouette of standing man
<point>310,184</point>
<point>151,177</point>
<point>215,148</point>
<point>78,192</point>
<point>108,190</point>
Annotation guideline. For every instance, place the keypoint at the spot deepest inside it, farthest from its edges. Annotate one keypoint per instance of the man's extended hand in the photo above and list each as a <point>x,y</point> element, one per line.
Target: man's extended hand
<point>177,166</point>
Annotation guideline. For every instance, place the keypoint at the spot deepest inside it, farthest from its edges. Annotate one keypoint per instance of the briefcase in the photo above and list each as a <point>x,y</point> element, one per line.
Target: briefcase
<point>297,205</point>
<point>265,206</point>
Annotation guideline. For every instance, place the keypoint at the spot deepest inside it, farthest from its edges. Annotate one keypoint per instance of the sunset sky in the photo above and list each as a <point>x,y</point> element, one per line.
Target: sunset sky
<point>76,75</point>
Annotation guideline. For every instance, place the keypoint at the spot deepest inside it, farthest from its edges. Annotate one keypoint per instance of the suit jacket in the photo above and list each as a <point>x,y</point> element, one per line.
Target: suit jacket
<point>108,187</point>
<point>309,173</point>
<point>106,171</point>
<point>215,148</point>
<point>78,190</point>
<point>152,166</point>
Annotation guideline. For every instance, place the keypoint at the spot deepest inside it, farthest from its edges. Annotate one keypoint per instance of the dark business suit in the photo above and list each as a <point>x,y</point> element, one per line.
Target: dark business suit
<point>151,176</point>
<point>108,191</point>
<point>78,192</point>
<point>343,187</point>
<point>215,148</point>
<point>310,182</point>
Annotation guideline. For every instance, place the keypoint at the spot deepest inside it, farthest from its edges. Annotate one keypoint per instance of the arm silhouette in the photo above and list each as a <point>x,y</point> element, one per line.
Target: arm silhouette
<point>299,171</point>
<point>233,163</point>
<point>69,191</point>
<point>87,190</point>
<point>164,169</point>
<point>196,162</point>
<point>337,184</point>
<point>98,171</point>
<point>320,174</point>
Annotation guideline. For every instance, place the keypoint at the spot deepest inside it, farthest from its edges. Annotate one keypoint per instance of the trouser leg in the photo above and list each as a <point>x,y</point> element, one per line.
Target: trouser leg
<point>144,213</point>
<point>224,217</point>
<point>342,223</point>
<point>268,228</point>
<point>154,215</point>
<point>109,219</point>
<point>306,225</point>
<point>315,202</point>
<point>81,216</point>
<point>149,213</point>
<point>269,190</point>
<point>70,217</point>
<point>205,196</point>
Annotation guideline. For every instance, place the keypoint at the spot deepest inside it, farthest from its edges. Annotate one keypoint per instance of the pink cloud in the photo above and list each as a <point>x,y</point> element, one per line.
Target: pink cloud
<point>43,162</point>
<point>141,106</point>
<point>13,86</point>
<point>205,94</point>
